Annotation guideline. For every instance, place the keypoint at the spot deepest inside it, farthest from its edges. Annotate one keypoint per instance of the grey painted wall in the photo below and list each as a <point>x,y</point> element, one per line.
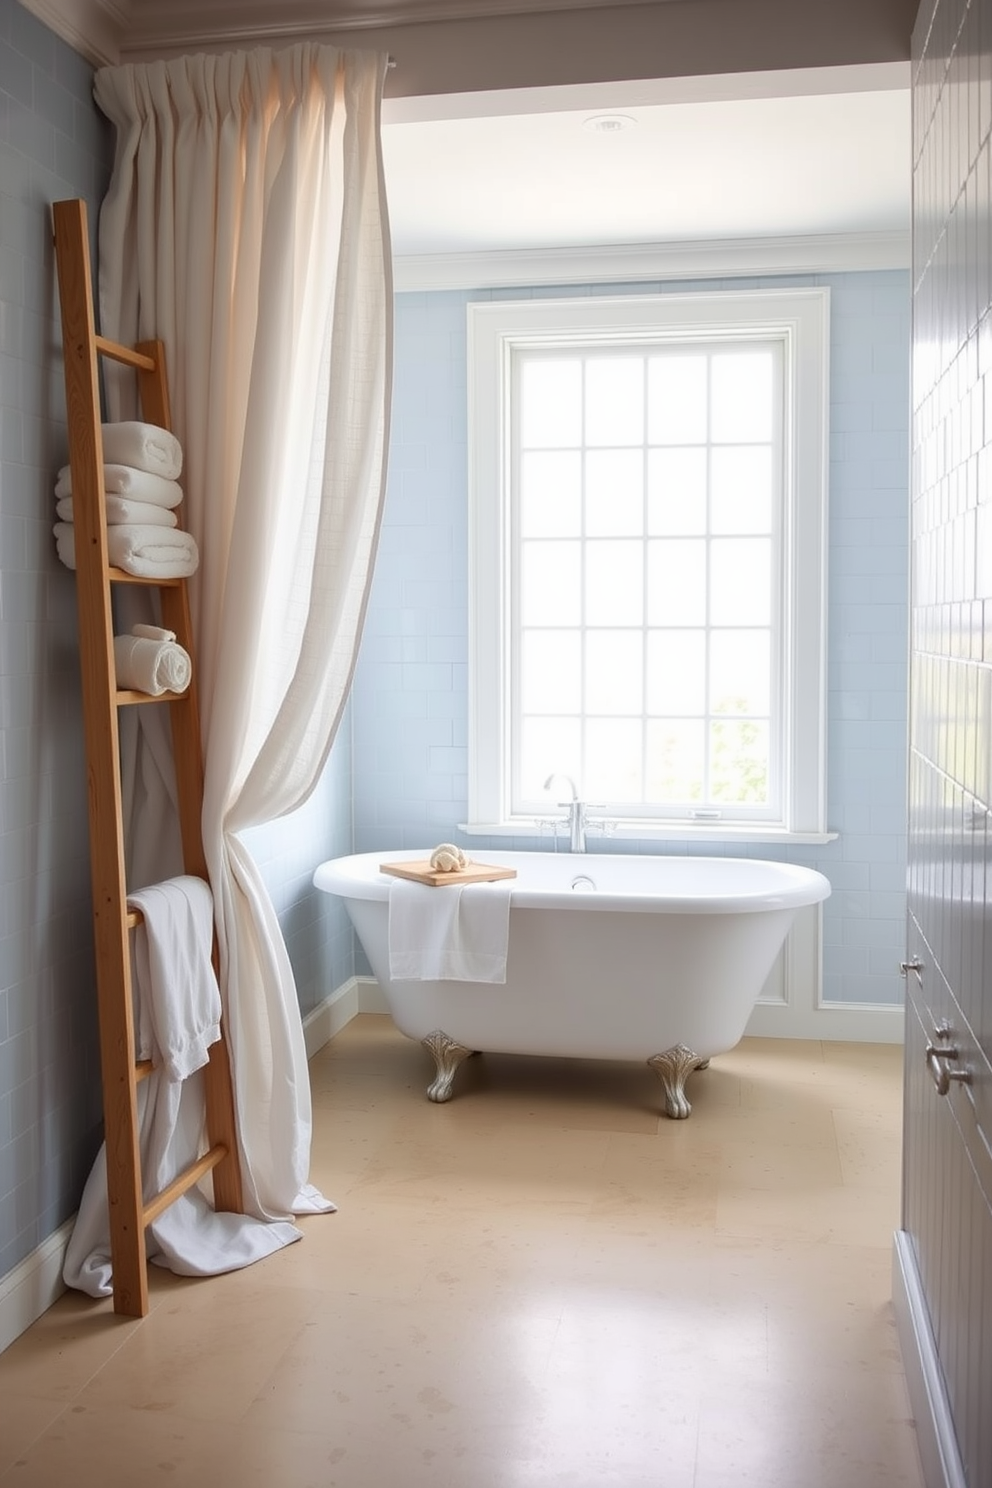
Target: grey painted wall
<point>53,144</point>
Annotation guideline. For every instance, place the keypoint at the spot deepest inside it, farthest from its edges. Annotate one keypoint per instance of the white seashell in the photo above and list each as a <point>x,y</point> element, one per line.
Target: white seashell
<point>447,858</point>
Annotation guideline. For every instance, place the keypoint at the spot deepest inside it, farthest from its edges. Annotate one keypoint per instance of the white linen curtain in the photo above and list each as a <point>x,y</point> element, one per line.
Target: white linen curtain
<point>246,227</point>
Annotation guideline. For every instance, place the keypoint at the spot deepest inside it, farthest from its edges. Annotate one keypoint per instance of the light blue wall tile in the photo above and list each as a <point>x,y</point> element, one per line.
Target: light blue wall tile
<point>315,926</point>
<point>405,799</point>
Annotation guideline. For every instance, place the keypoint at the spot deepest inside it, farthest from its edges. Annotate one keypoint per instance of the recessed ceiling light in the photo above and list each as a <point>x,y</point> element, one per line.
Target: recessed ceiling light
<point>608,123</point>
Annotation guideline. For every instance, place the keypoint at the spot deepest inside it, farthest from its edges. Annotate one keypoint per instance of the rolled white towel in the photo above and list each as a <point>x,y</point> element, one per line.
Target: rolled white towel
<point>122,509</point>
<point>146,552</point>
<point>125,480</point>
<point>150,660</point>
<point>144,446</point>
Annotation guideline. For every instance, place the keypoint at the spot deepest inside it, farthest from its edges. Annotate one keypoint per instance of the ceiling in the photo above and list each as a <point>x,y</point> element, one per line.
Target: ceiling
<point>821,152</point>
<point>747,121</point>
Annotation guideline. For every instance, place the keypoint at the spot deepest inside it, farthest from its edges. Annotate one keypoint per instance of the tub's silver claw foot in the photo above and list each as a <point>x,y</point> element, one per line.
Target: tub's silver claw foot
<point>673,1068</point>
<point>447,1057</point>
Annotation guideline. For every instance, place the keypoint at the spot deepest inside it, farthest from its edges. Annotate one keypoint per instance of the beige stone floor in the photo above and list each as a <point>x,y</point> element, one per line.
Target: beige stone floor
<point>543,1282</point>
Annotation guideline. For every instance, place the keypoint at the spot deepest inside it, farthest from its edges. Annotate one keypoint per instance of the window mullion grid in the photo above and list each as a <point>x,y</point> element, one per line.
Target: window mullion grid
<point>810,323</point>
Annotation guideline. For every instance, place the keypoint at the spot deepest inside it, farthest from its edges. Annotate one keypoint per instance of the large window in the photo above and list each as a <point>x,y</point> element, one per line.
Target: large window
<point>648,503</point>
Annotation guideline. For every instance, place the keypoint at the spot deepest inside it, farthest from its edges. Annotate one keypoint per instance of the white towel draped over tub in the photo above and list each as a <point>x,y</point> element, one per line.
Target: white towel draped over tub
<point>177,1018</point>
<point>452,933</point>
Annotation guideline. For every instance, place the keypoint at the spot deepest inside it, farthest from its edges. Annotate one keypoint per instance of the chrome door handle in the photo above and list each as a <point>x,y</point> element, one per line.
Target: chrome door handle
<point>905,967</point>
<point>938,1060</point>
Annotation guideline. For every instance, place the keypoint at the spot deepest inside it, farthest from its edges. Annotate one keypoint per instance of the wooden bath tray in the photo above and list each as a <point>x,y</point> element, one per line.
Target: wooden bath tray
<point>422,872</point>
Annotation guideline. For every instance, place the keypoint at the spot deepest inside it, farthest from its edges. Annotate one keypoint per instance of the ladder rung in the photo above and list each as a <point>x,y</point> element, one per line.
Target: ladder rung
<point>186,1180</point>
<point>121,576</point>
<point>126,696</point>
<point>133,919</point>
<point>126,354</point>
<point>142,1069</point>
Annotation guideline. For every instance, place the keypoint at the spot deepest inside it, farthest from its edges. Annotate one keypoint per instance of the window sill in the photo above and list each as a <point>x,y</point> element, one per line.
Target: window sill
<point>650,832</point>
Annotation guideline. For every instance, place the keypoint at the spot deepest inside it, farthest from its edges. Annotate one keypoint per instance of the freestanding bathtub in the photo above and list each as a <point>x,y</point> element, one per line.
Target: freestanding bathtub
<point>610,956</point>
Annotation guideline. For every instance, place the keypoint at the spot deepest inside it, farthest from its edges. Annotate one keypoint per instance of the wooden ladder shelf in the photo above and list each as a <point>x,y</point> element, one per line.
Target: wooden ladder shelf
<point>130,1211</point>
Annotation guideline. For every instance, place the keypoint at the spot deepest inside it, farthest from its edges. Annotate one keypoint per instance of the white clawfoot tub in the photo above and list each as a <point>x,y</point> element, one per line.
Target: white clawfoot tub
<point>657,959</point>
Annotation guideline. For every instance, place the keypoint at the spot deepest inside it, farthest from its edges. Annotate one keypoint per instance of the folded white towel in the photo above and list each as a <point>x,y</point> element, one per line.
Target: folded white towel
<point>448,933</point>
<point>176,993</point>
<point>146,552</point>
<point>145,446</point>
<point>122,509</point>
<point>150,660</point>
<point>124,480</point>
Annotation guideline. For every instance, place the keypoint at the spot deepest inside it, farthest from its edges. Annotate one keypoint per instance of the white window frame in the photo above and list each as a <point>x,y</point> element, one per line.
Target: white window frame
<point>799,318</point>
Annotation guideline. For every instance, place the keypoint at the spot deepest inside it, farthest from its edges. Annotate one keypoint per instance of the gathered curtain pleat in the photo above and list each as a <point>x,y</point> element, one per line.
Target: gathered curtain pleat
<point>246,227</point>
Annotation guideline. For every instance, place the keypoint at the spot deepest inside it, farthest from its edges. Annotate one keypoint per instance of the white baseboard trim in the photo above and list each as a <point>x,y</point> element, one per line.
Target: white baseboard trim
<point>938,1446</point>
<point>792,1006</point>
<point>356,995</point>
<point>33,1285</point>
<point>330,1016</point>
<point>371,998</point>
<point>857,1023</point>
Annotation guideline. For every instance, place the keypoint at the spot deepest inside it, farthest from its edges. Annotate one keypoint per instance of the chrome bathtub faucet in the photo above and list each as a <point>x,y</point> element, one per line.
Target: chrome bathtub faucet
<point>578,820</point>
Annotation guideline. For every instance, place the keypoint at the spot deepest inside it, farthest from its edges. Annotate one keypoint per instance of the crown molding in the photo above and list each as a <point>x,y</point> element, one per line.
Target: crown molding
<point>246,18</point>
<point>444,46</point>
<point>648,263</point>
<point>94,28</point>
<point>168,26</point>
<point>523,43</point>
